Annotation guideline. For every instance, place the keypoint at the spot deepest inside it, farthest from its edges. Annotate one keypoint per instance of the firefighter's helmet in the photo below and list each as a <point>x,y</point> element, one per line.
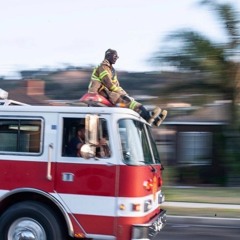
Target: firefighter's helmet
<point>110,52</point>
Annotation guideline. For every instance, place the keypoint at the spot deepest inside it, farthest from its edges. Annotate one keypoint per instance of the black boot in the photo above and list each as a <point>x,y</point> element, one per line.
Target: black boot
<point>149,116</point>
<point>158,121</point>
<point>144,113</point>
<point>154,114</point>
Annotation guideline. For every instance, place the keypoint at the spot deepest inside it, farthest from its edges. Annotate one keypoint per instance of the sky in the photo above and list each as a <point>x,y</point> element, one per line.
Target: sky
<point>52,34</point>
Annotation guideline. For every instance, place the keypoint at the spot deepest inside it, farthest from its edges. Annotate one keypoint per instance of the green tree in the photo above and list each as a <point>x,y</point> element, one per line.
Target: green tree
<point>216,66</point>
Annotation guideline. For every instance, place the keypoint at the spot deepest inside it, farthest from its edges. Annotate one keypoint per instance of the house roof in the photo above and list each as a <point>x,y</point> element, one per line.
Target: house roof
<point>29,92</point>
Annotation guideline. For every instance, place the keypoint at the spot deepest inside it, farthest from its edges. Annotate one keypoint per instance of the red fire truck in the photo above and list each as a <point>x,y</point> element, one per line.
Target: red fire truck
<point>47,193</point>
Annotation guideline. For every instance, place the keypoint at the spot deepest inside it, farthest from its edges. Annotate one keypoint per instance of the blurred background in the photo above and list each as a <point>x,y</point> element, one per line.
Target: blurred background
<point>182,56</point>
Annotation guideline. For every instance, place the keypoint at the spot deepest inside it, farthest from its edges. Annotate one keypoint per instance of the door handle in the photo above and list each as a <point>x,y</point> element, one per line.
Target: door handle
<point>49,164</point>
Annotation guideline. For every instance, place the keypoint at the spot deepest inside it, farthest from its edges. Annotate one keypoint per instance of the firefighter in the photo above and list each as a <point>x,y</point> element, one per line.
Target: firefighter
<point>77,142</point>
<point>104,81</point>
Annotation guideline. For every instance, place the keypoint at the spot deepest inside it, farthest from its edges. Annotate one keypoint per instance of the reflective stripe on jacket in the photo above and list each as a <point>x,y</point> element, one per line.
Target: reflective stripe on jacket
<point>105,77</point>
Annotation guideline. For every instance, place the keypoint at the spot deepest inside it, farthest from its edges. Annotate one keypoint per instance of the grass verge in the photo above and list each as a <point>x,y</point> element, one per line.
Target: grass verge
<point>217,195</point>
<point>203,212</point>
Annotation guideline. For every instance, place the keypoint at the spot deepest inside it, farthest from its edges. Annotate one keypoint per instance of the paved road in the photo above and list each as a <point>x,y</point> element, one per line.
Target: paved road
<point>189,228</point>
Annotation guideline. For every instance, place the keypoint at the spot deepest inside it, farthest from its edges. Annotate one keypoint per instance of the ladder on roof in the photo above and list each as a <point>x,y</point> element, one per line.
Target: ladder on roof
<point>4,101</point>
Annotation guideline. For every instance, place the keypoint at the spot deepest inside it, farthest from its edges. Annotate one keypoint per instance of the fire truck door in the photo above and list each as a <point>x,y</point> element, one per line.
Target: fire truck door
<point>86,186</point>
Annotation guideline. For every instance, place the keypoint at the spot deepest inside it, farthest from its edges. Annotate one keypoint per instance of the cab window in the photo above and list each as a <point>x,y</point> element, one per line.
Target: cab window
<point>137,145</point>
<point>20,136</point>
<point>74,137</point>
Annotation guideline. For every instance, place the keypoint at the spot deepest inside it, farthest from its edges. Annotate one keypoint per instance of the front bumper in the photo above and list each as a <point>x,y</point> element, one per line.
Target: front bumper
<point>148,231</point>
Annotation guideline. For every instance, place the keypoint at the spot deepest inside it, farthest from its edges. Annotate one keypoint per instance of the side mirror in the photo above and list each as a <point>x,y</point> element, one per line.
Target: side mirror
<point>91,129</point>
<point>88,150</point>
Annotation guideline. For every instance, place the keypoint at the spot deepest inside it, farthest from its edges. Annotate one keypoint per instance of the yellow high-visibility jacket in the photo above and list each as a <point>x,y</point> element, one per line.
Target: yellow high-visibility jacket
<point>104,77</point>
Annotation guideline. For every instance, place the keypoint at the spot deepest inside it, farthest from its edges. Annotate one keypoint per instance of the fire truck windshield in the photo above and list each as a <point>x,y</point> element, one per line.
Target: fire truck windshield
<point>138,146</point>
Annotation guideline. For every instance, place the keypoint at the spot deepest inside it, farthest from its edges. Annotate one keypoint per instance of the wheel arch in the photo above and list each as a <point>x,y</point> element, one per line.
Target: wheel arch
<point>30,194</point>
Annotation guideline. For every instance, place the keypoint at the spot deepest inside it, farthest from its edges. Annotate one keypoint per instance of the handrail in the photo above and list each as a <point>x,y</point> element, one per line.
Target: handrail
<point>50,150</point>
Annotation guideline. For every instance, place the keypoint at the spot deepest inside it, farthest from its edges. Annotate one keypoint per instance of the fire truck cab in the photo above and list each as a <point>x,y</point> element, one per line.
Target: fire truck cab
<point>47,192</point>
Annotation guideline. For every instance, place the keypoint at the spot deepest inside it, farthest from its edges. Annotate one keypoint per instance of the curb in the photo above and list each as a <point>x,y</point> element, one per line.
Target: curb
<point>204,221</point>
<point>201,205</point>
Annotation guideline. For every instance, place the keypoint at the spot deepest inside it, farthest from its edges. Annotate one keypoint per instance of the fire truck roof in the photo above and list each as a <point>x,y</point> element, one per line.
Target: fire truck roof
<point>67,109</point>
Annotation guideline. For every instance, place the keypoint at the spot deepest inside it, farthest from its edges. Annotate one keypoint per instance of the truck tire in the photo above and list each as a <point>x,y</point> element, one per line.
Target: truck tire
<point>30,220</point>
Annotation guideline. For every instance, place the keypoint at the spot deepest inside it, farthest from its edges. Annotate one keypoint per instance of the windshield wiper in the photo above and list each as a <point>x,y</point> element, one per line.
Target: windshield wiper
<point>153,169</point>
